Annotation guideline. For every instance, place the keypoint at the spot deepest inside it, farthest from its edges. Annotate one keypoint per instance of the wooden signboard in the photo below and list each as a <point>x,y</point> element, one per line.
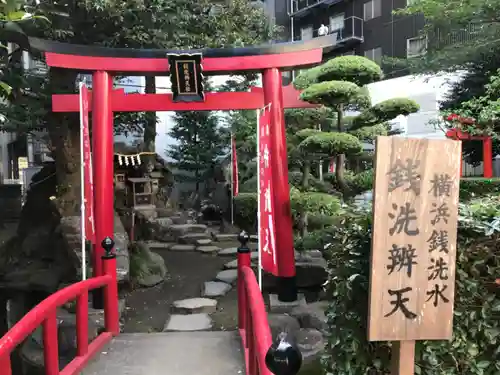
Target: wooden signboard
<point>186,76</point>
<point>415,212</point>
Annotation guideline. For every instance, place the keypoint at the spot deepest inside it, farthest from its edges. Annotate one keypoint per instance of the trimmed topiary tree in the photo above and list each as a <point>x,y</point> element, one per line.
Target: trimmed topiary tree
<point>339,84</point>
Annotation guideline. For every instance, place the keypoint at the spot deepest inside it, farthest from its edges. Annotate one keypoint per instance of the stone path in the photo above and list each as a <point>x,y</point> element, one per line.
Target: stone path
<point>186,353</point>
<point>193,314</point>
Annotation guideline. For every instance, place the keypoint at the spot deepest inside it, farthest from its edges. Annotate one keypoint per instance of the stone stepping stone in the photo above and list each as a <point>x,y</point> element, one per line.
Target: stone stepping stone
<point>208,249</point>
<point>228,276</point>
<point>192,238</point>
<point>226,237</point>
<point>231,265</point>
<point>192,322</point>
<point>187,228</point>
<point>195,306</point>
<point>181,247</point>
<point>160,245</point>
<point>178,220</point>
<point>204,241</point>
<point>215,289</point>
<point>229,251</point>
<point>234,264</point>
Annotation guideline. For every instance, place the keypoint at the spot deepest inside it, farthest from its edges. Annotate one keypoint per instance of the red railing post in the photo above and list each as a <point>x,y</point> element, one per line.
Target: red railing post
<point>244,260</point>
<point>45,314</point>
<point>50,344</point>
<point>5,365</point>
<point>82,324</point>
<point>111,314</point>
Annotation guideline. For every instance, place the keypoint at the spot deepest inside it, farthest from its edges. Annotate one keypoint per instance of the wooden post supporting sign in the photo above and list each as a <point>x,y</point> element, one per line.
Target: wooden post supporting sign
<point>413,258</point>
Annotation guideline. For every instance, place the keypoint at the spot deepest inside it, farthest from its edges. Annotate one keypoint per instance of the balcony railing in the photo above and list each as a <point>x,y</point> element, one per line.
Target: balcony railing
<point>352,31</point>
<point>303,5</point>
<point>467,34</point>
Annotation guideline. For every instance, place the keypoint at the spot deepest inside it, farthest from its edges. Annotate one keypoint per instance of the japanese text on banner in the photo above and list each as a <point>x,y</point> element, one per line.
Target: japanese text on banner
<point>87,159</point>
<point>267,229</point>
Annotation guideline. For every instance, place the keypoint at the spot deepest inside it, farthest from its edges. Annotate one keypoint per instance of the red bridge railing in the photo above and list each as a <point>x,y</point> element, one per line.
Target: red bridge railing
<point>252,317</point>
<point>45,314</point>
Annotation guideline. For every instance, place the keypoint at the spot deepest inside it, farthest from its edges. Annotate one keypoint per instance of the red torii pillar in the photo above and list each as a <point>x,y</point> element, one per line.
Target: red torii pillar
<point>487,142</point>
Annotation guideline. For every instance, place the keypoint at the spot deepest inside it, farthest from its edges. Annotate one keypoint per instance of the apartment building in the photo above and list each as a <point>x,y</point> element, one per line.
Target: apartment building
<point>363,27</point>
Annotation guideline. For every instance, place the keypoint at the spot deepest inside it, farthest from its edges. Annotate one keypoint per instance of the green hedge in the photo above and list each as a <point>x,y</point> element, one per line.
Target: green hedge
<point>475,347</point>
<point>477,187</point>
<point>245,211</point>
<point>469,187</point>
<point>357,182</point>
<point>322,207</point>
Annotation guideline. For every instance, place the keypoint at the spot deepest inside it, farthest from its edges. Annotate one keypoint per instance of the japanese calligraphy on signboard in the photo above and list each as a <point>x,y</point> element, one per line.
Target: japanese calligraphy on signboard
<point>267,229</point>
<point>415,212</point>
<point>186,77</point>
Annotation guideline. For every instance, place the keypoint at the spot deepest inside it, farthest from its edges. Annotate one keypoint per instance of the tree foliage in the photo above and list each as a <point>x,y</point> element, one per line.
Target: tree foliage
<point>459,33</point>
<point>340,84</point>
<point>476,98</point>
<point>200,143</point>
<point>176,24</point>
<point>14,15</point>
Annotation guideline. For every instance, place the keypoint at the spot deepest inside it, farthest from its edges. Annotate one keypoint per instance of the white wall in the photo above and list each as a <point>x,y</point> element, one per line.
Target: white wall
<point>426,91</point>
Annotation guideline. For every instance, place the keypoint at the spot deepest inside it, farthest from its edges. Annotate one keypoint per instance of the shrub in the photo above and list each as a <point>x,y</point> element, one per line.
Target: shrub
<point>295,179</point>
<point>245,211</point>
<point>330,144</point>
<point>475,346</point>
<point>386,111</point>
<point>470,188</point>
<point>249,186</point>
<point>357,182</point>
<point>317,203</point>
<point>356,69</point>
<point>331,93</point>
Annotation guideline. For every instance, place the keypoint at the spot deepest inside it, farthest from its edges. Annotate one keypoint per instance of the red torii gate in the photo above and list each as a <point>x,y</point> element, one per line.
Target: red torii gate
<point>267,59</point>
<point>487,142</point>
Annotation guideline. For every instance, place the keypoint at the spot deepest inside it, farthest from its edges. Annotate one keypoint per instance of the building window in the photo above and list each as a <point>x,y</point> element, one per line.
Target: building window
<point>372,9</point>
<point>374,54</point>
<point>337,22</point>
<point>306,33</point>
<point>416,46</point>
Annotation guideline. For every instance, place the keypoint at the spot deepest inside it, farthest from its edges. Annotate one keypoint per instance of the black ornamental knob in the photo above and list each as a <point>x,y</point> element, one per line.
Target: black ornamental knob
<point>108,244</point>
<point>283,357</point>
<point>243,238</point>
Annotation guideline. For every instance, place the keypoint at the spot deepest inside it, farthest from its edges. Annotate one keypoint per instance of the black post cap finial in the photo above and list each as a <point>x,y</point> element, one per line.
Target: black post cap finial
<point>243,237</point>
<point>108,244</point>
<point>283,357</point>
